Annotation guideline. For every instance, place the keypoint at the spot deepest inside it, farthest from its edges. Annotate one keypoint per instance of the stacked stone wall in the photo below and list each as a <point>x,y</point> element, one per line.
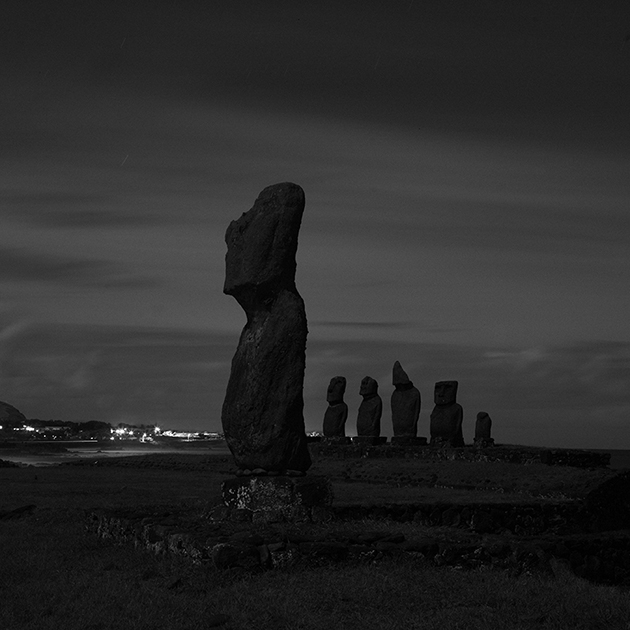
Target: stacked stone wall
<point>551,457</point>
<point>601,557</point>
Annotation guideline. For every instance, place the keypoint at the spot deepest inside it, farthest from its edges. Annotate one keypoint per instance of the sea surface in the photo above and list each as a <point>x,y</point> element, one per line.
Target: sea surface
<point>35,457</point>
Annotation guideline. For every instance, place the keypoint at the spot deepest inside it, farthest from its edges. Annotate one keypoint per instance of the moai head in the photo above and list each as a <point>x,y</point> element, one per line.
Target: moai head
<point>445,392</point>
<point>336,390</point>
<point>400,380</point>
<point>369,387</point>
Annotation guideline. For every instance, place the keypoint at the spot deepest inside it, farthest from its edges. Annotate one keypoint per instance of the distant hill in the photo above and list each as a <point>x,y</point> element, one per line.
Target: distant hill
<point>8,413</point>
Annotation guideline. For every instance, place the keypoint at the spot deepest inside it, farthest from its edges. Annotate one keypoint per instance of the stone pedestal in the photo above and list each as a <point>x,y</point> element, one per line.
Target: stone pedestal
<point>368,440</point>
<point>483,442</point>
<point>335,440</point>
<point>402,440</point>
<point>441,442</point>
<point>278,499</point>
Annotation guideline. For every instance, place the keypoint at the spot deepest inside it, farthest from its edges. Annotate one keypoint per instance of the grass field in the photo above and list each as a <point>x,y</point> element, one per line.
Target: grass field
<point>53,574</point>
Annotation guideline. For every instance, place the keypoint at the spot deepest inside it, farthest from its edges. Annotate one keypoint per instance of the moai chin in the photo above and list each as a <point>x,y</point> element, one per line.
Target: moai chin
<point>483,430</point>
<point>262,413</point>
<point>447,415</point>
<point>405,403</point>
<point>370,409</point>
<point>337,412</point>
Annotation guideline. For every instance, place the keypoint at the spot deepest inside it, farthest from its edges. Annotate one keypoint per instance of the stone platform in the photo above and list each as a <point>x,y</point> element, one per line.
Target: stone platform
<point>368,440</point>
<point>278,499</point>
<point>517,538</point>
<point>497,453</point>
<point>403,440</point>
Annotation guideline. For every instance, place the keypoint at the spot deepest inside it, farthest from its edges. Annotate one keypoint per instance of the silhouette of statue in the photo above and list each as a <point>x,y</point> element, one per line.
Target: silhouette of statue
<point>483,429</point>
<point>405,404</point>
<point>337,412</point>
<point>370,410</point>
<point>447,415</point>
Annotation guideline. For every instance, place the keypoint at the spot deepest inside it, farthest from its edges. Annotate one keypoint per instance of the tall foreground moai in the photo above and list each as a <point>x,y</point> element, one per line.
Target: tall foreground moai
<point>405,404</point>
<point>337,412</point>
<point>447,415</point>
<point>262,414</point>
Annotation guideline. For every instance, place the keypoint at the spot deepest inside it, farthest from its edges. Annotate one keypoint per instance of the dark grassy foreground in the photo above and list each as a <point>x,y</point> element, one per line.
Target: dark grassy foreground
<point>53,574</point>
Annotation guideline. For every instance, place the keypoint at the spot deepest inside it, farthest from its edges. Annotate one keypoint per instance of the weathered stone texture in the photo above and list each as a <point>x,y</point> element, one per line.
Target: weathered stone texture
<point>483,429</point>
<point>405,403</point>
<point>262,413</point>
<point>337,411</point>
<point>278,498</point>
<point>370,409</point>
<point>447,415</point>
<point>483,426</point>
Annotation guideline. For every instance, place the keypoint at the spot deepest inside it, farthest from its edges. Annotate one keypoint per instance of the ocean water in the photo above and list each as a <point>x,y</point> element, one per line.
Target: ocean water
<point>54,459</point>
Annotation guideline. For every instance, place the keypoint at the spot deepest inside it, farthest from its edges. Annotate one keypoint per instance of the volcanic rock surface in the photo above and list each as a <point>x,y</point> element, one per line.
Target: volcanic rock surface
<point>262,413</point>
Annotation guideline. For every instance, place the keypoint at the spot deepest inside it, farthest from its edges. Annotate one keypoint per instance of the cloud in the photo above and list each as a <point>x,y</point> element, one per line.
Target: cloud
<point>575,395</point>
<point>55,210</point>
<point>586,376</point>
<point>82,373</point>
<point>339,324</point>
<point>21,266</point>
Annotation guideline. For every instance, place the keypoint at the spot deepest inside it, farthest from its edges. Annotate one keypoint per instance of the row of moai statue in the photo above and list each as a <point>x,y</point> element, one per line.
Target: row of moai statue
<point>446,417</point>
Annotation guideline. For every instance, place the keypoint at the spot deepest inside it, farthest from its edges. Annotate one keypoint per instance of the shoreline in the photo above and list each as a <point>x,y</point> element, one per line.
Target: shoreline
<point>42,454</point>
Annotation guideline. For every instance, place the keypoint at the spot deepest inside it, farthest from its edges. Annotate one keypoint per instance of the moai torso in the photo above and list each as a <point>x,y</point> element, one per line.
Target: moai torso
<point>483,426</point>
<point>337,412</point>
<point>483,430</point>
<point>405,404</point>
<point>447,415</point>
<point>370,410</point>
<point>262,414</point>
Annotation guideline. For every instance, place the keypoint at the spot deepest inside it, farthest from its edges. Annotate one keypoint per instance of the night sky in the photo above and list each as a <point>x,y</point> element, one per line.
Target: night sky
<point>467,176</point>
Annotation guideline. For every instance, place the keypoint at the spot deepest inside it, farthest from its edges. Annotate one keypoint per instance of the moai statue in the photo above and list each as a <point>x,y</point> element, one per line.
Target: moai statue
<point>447,416</point>
<point>262,414</point>
<point>483,428</point>
<point>405,404</point>
<point>337,412</point>
<point>370,410</point>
